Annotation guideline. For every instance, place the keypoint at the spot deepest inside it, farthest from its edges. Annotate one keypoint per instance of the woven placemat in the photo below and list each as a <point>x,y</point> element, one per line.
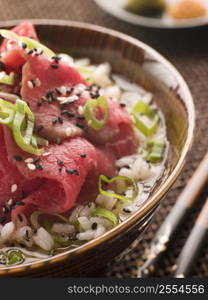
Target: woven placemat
<point>187,50</point>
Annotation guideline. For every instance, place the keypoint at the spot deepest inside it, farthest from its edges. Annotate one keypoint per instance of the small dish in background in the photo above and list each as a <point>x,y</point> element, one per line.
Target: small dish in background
<point>164,14</point>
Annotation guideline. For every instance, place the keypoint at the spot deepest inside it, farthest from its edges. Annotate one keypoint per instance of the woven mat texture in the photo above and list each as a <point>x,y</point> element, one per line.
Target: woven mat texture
<point>188,51</point>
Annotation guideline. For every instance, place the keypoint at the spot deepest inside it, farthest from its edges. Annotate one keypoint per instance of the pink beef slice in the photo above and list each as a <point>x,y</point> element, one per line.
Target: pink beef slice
<point>118,133</point>
<point>40,68</point>
<point>11,53</point>
<point>11,176</point>
<point>63,172</point>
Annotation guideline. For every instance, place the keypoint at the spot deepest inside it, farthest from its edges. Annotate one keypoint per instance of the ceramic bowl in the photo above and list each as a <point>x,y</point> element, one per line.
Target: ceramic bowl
<point>140,64</point>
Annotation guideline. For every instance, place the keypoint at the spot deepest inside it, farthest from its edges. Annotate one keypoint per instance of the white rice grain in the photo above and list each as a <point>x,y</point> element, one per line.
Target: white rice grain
<point>106,201</point>
<point>99,231</point>
<point>101,75</point>
<point>86,236</point>
<point>84,223</point>
<point>63,228</point>
<point>7,231</point>
<point>87,210</point>
<point>43,239</point>
<point>113,92</point>
<point>24,235</point>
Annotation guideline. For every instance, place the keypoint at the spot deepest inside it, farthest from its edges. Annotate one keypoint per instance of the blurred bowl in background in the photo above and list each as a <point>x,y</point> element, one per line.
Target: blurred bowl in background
<point>116,8</point>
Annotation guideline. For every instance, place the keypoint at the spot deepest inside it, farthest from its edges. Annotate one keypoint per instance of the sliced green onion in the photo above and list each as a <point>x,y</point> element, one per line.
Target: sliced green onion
<point>144,109</point>
<point>146,130</point>
<point>156,151</point>
<point>87,72</point>
<point>14,257</point>
<point>35,215</point>
<point>23,139</point>
<point>31,43</point>
<point>102,212</point>
<point>89,112</point>
<point>6,113</point>
<point>131,181</point>
<point>21,120</point>
<point>7,79</point>
<point>63,240</point>
<point>140,109</point>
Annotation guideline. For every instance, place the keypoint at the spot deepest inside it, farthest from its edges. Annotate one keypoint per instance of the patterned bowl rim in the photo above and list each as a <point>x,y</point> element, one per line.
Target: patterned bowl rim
<point>156,197</point>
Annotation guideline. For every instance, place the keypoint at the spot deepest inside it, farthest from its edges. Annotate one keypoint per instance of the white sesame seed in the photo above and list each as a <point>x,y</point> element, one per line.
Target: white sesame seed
<point>10,202</point>
<point>29,160</point>
<point>67,99</point>
<point>13,188</point>
<point>9,45</point>
<point>89,122</point>
<point>31,167</point>
<point>37,82</point>
<point>46,153</point>
<point>68,131</point>
<point>62,90</point>
<point>80,110</point>
<point>80,87</point>
<point>30,84</point>
<point>39,51</point>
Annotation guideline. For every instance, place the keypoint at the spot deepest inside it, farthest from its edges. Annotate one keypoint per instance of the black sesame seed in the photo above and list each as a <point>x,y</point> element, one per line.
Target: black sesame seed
<point>83,155</point>
<point>56,58</point>
<point>59,169</point>
<point>17,157</point>
<point>39,128</point>
<point>26,236</point>
<point>126,167</point>
<point>126,210</point>
<point>70,171</point>
<point>60,119</point>
<point>72,238</point>
<point>6,209</point>
<point>80,125</point>
<point>76,172</point>
<point>54,66</point>
<point>33,82</point>
<point>20,217</point>
<point>39,102</point>
<point>20,203</point>
<point>81,118</point>
<point>54,121</point>
<point>122,105</point>
<point>60,162</point>
<point>94,226</point>
<point>39,167</point>
<point>30,52</point>
<point>64,105</point>
<point>24,45</point>
<point>2,219</point>
<point>36,159</point>
<point>2,66</point>
<point>68,114</point>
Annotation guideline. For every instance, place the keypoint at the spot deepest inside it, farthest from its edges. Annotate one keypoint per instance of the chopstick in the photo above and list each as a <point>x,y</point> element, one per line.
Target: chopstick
<point>193,244</point>
<point>174,219</point>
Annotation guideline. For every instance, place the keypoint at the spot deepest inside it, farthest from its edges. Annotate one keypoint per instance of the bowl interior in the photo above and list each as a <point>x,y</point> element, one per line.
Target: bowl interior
<point>139,64</point>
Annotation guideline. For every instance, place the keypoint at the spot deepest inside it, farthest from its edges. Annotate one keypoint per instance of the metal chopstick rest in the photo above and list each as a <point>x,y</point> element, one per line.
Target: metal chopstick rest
<point>193,244</point>
<point>174,219</point>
